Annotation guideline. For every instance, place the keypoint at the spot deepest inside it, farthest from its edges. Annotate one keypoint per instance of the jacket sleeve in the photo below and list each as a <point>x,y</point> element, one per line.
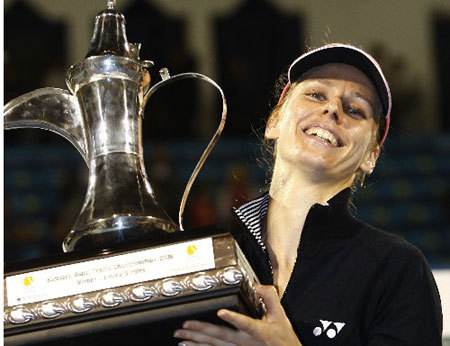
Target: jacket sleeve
<point>408,308</point>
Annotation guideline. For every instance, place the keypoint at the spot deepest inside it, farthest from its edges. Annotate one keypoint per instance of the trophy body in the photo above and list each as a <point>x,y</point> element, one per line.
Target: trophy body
<point>127,264</point>
<point>119,204</point>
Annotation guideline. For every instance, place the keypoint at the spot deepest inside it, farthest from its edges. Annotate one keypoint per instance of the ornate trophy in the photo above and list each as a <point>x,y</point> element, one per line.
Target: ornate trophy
<point>127,264</point>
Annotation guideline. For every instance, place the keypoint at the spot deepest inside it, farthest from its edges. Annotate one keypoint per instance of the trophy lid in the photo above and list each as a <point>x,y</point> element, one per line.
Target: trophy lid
<point>109,37</point>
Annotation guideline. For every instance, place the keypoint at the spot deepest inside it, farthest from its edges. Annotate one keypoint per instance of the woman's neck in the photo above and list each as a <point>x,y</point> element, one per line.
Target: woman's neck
<point>292,194</point>
<point>292,186</point>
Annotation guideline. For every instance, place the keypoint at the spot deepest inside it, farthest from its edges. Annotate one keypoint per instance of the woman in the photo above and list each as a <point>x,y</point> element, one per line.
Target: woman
<point>329,279</point>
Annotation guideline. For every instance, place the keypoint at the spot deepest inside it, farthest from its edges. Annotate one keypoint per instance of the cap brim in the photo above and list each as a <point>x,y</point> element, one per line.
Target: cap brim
<point>345,54</point>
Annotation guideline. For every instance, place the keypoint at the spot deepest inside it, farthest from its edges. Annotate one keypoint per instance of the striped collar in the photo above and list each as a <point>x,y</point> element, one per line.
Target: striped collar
<point>252,215</point>
<point>323,219</point>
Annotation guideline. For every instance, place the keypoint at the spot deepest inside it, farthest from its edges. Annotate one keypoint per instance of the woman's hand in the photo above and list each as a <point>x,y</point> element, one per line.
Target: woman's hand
<point>274,329</point>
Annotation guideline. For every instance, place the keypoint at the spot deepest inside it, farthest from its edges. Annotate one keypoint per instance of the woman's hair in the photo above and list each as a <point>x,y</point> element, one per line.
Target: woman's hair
<point>269,145</point>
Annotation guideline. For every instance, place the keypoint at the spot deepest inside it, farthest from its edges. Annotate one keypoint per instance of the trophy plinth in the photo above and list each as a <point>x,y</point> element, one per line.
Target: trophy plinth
<point>142,288</point>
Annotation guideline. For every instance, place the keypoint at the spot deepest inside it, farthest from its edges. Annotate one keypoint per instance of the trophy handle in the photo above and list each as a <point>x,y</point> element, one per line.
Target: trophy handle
<point>51,109</point>
<point>169,79</point>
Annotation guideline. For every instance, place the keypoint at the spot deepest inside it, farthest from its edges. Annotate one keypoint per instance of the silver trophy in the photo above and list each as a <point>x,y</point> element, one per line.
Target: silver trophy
<point>119,293</point>
<point>102,117</point>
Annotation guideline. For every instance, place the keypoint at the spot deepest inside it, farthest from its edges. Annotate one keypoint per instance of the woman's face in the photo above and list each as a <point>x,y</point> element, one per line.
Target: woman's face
<point>327,124</point>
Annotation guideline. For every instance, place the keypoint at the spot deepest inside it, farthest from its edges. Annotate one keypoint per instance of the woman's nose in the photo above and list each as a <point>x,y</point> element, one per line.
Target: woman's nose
<point>334,109</point>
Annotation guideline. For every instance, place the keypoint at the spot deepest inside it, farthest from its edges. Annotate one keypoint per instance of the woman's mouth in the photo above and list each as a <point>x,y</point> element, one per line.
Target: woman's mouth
<point>325,135</point>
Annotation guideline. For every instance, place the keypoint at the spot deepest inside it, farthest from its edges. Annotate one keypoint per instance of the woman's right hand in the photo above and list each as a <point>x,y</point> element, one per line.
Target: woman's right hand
<point>273,329</point>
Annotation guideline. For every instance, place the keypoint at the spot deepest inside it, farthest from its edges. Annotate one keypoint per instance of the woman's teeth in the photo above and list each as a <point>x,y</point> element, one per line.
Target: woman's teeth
<point>323,134</point>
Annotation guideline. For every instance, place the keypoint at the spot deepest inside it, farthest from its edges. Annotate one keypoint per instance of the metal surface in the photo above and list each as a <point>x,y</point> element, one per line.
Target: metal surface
<point>167,79</point>
<point>102,118</point>
<point>51,109</point>
<point>121,296</point>
<point>230,270</point>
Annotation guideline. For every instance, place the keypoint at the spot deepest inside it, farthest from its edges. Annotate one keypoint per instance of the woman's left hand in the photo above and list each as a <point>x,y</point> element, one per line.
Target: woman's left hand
<point>273,329</point>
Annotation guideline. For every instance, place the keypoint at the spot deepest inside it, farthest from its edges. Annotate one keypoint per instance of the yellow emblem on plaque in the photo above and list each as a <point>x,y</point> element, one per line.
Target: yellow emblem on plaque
<point>27,280</point>
<point>191,249</point>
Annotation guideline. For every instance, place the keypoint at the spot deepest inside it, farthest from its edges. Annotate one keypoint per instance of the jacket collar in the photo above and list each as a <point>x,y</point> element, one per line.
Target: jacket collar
<point>324,224</point>
<point>252,215</point>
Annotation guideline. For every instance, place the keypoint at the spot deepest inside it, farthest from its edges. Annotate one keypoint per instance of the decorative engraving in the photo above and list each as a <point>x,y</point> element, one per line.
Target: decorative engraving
<point>171,287</point>
<point>21,314</point>
<point>80,304</point>
<point>141,293</point>
<point>202,281</point>
<point>110,298</point>
<point>231,276</point>
<point>50,309</point>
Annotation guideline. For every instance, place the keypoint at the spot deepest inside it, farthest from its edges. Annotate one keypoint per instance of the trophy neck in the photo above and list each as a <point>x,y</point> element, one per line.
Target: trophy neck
<point>107,89</point>
<point>103,67</point>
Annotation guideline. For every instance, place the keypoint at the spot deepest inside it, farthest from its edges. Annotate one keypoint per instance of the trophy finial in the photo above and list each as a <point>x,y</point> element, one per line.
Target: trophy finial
<point>111,4</point>
<point>109,36</point>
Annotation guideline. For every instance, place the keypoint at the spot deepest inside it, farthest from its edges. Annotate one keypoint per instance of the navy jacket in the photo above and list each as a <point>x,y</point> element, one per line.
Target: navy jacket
<point>352,284</point>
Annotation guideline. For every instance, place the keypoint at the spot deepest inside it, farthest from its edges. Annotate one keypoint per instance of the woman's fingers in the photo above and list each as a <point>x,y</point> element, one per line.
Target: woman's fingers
<point>241,322</point>
<point>192,337</point>
<point>204,333</point>
<point>275,327</point>
<point>249,325</point>
<point>191,343</point>
<point>272,301</point>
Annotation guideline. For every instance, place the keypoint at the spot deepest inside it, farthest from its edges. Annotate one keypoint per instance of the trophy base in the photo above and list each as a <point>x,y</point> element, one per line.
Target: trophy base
<point>138,295</point>
<point>117,231</point>
<point>148,327</point>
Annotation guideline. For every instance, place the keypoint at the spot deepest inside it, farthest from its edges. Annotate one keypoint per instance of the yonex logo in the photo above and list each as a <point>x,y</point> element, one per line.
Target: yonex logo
<point>330,328</point>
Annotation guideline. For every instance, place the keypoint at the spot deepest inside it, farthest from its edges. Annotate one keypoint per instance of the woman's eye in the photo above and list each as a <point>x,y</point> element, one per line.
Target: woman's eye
<point>355,111</point>
<point>317,96</point>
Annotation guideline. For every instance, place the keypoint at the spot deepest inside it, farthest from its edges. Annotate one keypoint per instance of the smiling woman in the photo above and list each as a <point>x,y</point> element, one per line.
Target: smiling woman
<point>324,129</point>
<point>329,278</point>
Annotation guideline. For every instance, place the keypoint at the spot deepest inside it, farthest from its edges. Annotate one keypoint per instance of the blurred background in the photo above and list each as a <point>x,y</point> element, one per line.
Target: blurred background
<point>244,45</point>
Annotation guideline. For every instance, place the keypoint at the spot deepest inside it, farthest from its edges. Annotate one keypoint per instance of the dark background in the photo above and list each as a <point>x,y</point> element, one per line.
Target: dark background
<point>45,178</point>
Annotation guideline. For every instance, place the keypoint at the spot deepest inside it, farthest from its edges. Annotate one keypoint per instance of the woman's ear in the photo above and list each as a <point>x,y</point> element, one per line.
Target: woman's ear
<point>272,130</point>
<point>368,164</point>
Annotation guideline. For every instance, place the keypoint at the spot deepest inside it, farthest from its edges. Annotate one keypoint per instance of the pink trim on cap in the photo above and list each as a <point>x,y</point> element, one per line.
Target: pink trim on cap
<point>386,130</point>
<point>283,93</point>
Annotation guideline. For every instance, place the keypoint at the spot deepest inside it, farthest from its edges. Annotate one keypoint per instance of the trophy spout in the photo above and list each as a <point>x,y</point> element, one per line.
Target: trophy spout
<point>50,109</point>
